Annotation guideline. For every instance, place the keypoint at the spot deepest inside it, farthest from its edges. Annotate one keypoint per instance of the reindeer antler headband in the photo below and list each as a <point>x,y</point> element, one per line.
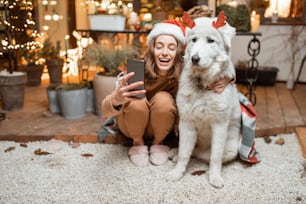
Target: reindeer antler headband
<point>221,20</point>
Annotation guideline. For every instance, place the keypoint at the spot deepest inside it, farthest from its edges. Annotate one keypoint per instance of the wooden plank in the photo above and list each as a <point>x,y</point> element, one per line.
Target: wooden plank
<point>242,88</point>
<point>299,95</point>
<point>301,135</point>
<point>262,124</point>
<point>279,110</point>
<point>275,117</point>
<point>291,113</point>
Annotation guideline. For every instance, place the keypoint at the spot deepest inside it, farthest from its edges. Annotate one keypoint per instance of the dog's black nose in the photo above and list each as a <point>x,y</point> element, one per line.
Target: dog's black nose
<point>195,59</point>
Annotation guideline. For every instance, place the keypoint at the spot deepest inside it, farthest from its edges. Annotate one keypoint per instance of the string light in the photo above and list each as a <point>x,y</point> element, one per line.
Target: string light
<point>9,42</point>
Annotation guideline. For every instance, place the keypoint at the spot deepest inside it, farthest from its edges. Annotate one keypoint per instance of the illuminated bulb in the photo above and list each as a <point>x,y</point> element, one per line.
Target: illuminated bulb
<point>4,42</point>
<point>55,17</point>
<point>130,5</point>
<point>53,3</point>
<point>45,27</point>
<point>48,17</point>
<point>147,17</point>
<point>76,35</point>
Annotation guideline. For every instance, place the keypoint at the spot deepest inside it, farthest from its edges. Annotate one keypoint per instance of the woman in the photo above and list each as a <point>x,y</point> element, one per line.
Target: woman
<point>154,116</point>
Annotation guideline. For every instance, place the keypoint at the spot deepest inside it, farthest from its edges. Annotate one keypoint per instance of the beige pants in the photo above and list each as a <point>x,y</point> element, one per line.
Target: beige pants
<point>148,119</point>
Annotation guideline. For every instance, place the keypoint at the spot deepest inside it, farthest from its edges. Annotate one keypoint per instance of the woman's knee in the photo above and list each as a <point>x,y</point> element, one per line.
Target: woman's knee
<point>137,106</point>
<point>163,101</point>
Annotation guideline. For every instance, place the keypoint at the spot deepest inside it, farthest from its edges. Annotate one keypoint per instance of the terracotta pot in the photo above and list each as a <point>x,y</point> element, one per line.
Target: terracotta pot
<point>34,73</point>
<point>55,69</point>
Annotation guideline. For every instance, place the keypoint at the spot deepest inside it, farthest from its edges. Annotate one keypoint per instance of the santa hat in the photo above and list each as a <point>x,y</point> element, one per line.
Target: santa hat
<point>168,27</point>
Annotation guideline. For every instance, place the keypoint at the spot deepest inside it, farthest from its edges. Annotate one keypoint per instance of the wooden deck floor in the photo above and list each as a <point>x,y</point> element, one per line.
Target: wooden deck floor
<point>279,110</point>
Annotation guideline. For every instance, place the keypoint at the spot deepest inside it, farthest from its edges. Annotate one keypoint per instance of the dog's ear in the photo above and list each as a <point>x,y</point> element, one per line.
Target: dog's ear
<point>188,22</point>
<point>227,32</point>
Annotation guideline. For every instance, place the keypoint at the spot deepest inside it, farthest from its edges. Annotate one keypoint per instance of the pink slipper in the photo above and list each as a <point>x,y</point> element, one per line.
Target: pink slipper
<point>159,154</point>
<point>139,155</point>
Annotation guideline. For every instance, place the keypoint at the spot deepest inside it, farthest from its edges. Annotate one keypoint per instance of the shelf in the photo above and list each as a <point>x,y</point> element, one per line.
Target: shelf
<point>249,33</point>
<point>115,31</point>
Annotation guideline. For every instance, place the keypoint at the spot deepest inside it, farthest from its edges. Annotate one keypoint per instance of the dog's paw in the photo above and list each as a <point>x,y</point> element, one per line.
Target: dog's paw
<point>174,175</point>
<point>216,181</point>
<point>172,154</point>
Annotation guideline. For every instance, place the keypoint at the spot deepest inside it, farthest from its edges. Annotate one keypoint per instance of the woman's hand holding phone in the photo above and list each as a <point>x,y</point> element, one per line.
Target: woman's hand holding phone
<point>137,66</point>
<point>126,92</point>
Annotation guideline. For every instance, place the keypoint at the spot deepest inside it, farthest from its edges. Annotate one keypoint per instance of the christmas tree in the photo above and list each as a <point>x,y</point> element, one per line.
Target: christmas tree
<point>19,29</point>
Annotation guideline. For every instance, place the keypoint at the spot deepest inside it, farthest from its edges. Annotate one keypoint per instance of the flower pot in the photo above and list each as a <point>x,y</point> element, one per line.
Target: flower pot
<point>12,89</point>
<point>72,100</point>
<point>34,73</point>
<point>55,69</point>
<point>103,85</point>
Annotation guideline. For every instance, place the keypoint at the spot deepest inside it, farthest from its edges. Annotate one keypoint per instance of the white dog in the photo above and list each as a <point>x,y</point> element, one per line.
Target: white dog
<point>209,123</point>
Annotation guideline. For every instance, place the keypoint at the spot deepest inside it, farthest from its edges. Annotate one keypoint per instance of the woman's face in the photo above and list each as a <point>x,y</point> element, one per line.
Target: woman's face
<point>165,49</point>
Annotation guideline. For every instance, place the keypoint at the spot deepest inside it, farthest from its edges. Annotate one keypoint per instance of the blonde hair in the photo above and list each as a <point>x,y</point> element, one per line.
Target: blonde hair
<point>151,68</point>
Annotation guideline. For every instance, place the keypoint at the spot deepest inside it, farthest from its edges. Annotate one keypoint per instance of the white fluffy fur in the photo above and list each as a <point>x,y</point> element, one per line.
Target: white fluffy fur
<point>209,122</point>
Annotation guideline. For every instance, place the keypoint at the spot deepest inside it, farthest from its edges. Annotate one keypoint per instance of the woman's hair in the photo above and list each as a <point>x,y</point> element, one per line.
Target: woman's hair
<point>151,68</point>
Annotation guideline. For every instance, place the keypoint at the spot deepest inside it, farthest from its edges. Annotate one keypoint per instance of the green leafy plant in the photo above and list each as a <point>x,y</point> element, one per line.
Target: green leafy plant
<point>71,86</point>
<point>107,58</point>
<point>238,17</point>
<point>51,51</point>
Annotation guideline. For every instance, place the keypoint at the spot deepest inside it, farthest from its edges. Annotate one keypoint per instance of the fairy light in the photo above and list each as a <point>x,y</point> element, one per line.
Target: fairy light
<point>44,2</point>
<point>9,42</point>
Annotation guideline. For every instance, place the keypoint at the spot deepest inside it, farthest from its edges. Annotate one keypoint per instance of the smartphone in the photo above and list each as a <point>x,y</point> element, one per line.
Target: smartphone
<point>137,66</point>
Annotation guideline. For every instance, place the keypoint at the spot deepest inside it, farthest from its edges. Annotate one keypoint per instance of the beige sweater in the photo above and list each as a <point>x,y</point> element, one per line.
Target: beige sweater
<point>152,86</point>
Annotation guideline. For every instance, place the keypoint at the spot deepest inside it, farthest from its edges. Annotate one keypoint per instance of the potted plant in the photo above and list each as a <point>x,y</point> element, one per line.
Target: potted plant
<point>15,35</point>
<point>110,62</point>
<point>32,62</point>
<point>72,99</point>
<point>12,89</point>
<point>55,106</point>
<point>51,53</point>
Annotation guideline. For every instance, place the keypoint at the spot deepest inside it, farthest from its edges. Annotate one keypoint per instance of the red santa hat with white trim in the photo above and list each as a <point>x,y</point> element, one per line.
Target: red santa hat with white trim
<point>168,27</point>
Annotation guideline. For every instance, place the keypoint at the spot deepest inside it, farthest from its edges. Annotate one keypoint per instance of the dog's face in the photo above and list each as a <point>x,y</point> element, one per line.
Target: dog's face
<point>207,45</point>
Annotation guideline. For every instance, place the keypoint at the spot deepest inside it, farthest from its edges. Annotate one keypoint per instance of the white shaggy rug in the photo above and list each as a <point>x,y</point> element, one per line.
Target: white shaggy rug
<point>65,176</point>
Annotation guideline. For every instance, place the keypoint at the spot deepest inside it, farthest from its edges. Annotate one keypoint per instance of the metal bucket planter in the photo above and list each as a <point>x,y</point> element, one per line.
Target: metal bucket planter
<point>90,98</point>
<point>12,89</point>
<point>72,100</point>
<point>52,99</point>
